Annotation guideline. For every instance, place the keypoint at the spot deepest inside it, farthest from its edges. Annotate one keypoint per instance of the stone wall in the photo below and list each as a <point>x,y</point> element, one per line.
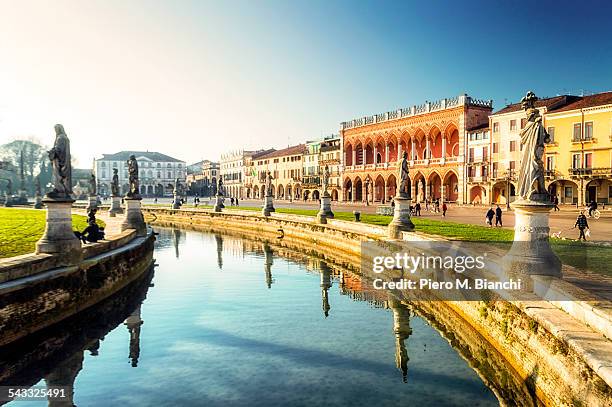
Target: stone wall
<point>35,293</point>
<point>544,346</point>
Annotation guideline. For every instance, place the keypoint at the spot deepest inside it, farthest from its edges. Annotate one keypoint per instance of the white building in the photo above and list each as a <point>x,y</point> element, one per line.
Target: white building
<point>158,172</point>
<point>234,168</point>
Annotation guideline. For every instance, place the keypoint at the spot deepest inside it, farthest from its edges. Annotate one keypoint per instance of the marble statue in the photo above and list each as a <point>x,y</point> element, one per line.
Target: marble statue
<point>115,183</point>
<point>177,186</point>
<point>403,176</point>
<point>269,186</point>
<point>134,191</point>
<point>533,139</point>
<point>325,179</point>
<point>60,164</point>
<point>220,186</point>
<point>92,185</point>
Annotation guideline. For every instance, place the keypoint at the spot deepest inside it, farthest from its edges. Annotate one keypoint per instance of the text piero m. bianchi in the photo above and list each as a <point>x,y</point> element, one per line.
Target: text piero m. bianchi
<point>422,272</point>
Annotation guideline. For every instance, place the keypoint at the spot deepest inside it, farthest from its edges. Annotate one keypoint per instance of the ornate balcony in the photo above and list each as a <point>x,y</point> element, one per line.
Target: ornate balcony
<point>599,172</point>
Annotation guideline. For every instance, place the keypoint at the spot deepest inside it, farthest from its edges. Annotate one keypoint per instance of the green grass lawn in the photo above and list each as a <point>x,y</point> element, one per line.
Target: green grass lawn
<point>21,228</point>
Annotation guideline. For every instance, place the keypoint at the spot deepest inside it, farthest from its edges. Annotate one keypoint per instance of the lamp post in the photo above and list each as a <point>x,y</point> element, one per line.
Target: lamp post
<point>508,185</point>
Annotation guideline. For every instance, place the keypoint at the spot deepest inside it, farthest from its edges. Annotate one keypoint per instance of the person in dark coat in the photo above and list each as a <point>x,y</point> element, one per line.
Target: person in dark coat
<point>498,216</point>
<point>582,224</point>
<point>556,203</point>
<point>489,216</point>
<point>417,209</point>
<point>444,209</point>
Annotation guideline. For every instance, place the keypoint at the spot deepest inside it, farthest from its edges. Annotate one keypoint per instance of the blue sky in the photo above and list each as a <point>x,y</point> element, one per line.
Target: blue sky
<point>194,79</point>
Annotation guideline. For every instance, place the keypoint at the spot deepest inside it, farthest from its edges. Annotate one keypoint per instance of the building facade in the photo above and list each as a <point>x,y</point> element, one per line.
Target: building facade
<point>579,161</point>
<point>286,167</point>
<point>432,134</point>
<point>202,178</point>
<point>158,172</point>
<point>477,165</point>
<point>317,155</point>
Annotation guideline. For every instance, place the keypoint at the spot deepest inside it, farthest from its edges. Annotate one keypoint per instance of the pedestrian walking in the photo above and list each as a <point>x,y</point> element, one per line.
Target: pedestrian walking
<point>444,209</point>
<point>582,224</point>
<point>237,201</point>
<point>417,209</point>
<point>592,207</point>
<point>489,217</point>
<point>556,203</point>
<point>437,206</point>
<point>498,216</point>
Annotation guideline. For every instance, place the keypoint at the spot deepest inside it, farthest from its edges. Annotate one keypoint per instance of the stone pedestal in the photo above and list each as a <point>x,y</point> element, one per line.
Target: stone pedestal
<point>59,237</point>
<point>38,202</point>
<point>531,253</point>
<point>115,207</point>
<point>325,211</point>
<point>268,206</point>
<point>401,218</point>
<point>93,202</point>
<point>219,203</point>
<point>133,218</point>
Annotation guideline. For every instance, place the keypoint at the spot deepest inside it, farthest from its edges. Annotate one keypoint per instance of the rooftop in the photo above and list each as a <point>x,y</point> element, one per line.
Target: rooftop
<point>549,103</point>
<point>151,155</point>
<point>583,102</point>
<point>293,150</point>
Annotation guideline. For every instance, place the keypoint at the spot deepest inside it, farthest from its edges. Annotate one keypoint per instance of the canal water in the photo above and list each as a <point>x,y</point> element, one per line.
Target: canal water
<point>234,322</point>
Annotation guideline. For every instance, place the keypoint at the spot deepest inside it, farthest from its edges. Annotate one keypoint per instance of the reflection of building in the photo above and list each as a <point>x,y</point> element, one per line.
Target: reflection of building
<point>286,167</point>
<point>402,330</point>
<point>158,172</point>
<point>133,323</point>
<point>433,136</point>
<point>317,155</point>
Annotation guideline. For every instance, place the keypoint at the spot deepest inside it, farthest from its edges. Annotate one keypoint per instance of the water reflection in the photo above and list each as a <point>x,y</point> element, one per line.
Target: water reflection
<point>54,356</point>
<point>207,331</point>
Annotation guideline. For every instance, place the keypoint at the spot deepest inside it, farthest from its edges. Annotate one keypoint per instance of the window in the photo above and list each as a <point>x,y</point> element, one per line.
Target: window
<point>158,174</point>
<point>569,192</point>
<point>588,160</point>
<point>495,127</point>
<point>550,163</point>
<point>551,132</point>
<point>576,161</point>
<point>103,174</point>
<point>495,165</point>
<point>169,174</point>
<point>512,145</point>
<point>471,155</point>
<point>577,132</point>
<point>512,125</point>
<point>588,131</point>
<point>495,148</point>
<point>512,165</point>
<point>103,164</point>
<point>523,122</point>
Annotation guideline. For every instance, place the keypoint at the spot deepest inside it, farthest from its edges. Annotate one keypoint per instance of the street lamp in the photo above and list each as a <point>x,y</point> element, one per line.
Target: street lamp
<point>508,186</point>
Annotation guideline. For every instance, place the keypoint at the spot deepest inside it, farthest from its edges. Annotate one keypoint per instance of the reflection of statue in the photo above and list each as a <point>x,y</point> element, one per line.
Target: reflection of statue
<point>115,183</point>
<point>134,188</point>
<point>325,182</point>
<point>268,262</point>
<point>134,323</point>
<point>60,163</point>
<point>533,139</point>
<point>325,285</point>
<point>402,330</point>
<point>269,187</point>
<point>404,179</point>
<point>92,185</point>
<point>219,240</point>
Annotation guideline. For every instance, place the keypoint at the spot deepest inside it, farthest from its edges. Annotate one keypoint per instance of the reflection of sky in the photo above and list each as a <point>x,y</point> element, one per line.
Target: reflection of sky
<point>221,337</point>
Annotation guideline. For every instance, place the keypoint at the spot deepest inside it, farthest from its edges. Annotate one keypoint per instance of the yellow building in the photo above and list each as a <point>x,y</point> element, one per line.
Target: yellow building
<point>286,167</point>
<point>579,162</point>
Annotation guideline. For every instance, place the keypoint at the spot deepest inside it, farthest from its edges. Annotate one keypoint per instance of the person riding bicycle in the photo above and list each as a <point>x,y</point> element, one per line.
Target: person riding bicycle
<point>592,207</point>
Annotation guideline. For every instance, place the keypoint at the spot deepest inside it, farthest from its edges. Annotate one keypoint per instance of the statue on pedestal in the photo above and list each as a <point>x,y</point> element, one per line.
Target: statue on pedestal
<point>61,166</point>
<point>115,183</point>
<point>220,187</point>
<point>325,182</point>
<point>269,186</point>
<point>403,190</point>
<point>92,185</point>
<point>134,191</point>
<point>533,140</point>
